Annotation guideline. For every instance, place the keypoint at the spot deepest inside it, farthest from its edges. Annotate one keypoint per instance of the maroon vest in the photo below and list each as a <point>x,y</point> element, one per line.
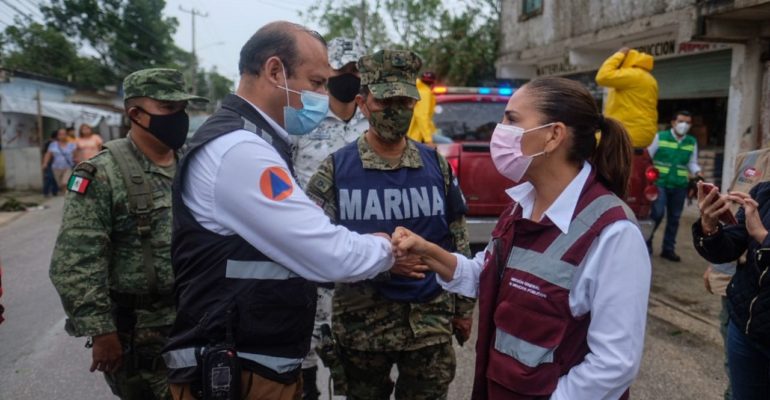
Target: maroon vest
<point>528,337</point>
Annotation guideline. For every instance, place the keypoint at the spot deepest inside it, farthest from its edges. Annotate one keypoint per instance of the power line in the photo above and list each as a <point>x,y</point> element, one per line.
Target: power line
<point>13,7</point>
<point>277,6</point>
<point>33,7</point>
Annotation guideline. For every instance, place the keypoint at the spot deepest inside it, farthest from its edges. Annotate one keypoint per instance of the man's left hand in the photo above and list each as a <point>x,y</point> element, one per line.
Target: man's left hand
<point>410,266</point>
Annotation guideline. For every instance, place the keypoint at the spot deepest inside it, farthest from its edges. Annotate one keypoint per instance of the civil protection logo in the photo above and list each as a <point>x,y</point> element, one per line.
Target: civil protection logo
<point>275,183</point>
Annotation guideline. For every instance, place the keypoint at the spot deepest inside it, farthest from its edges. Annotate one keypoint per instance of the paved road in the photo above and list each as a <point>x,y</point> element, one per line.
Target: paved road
<point>39,361</point>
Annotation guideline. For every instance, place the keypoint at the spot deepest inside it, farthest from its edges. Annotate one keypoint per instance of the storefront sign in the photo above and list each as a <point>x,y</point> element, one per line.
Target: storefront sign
<point>658,49</point>
<point>556,68</point>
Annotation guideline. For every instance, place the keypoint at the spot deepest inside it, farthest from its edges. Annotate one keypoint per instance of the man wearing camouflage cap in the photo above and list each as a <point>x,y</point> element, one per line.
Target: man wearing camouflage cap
<point>343,124</point>
<point>111,264</point>
<point>382,181</point>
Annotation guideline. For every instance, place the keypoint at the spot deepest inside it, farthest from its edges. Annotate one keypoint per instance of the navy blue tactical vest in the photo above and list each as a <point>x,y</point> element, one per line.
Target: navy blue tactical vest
<point>370,200</point>
<point>222,282</point>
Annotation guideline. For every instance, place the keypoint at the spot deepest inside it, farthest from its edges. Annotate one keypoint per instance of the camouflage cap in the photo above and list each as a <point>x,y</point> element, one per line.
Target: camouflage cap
<point>158,83</point>
<point>343,51</point>
<point>390,73</point>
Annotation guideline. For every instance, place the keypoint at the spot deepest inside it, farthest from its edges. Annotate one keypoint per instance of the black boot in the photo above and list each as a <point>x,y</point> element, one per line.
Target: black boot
<point>309,389</point>
<point>670,255</point>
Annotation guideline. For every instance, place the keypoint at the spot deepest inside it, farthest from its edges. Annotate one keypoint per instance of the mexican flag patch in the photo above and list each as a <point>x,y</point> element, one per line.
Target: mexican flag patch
<point>78,184</point>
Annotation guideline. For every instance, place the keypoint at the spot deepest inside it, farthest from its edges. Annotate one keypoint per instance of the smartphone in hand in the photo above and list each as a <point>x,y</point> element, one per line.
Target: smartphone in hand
<point>727,217</point>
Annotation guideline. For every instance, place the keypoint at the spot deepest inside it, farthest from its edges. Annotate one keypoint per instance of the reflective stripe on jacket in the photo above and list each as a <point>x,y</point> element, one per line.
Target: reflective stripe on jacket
<point>671,159</point>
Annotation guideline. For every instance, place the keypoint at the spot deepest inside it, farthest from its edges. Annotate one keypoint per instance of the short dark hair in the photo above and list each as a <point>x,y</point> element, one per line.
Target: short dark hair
<point>70,128</point>
<point>681,112</point>
<point>277,39</point>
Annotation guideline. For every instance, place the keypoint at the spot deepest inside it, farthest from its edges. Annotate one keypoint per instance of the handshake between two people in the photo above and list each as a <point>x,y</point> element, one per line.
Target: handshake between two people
<point>416,256</point>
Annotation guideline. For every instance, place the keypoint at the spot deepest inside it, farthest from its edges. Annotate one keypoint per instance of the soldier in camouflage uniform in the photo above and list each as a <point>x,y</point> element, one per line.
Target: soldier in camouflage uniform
<point>343,125</point>
<point>375,327</point>
<point>112,261</point>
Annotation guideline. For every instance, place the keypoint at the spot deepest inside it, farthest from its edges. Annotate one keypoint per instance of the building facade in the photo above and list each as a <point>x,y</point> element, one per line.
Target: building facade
<point>712,57</point>
<point>32,106</point>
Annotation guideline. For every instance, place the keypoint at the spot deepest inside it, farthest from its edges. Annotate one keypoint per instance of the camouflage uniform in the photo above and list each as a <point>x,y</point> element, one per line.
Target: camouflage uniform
<point>98,261</point>
<point>310,150</point>
<point>373,332</point>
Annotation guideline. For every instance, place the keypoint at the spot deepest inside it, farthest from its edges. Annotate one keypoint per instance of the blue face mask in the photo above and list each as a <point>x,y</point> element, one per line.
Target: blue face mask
<point>314,109</point>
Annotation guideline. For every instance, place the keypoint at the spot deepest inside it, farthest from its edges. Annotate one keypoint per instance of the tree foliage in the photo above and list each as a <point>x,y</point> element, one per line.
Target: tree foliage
<point>44,50</point>
<point>459,44</point>
<point>126,35</point>
<point>351,18</point>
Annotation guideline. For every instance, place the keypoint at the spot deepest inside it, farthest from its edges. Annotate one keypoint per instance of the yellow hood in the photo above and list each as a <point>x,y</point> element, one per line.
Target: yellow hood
<point>638,59</point>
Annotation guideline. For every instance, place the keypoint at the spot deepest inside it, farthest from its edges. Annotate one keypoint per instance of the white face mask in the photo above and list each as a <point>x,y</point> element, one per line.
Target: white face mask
<point>681,128</point>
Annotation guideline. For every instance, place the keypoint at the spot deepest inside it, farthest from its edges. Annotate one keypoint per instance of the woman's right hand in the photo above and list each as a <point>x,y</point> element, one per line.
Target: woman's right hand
<point>711,205</point>
<point>406,242</point>
<point>753,220</point>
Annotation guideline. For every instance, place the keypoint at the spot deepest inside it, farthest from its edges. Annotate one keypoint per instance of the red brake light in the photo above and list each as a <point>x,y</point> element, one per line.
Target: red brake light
<point>651,193</point>
<point>440,89</point>
<point>652,174</point>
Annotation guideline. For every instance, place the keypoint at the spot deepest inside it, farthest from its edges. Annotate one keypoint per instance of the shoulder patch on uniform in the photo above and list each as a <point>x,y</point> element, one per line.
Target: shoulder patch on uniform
<point>275,183</point>
<point>81,177</point>
<point>78,184</point>
<point>86,167</point>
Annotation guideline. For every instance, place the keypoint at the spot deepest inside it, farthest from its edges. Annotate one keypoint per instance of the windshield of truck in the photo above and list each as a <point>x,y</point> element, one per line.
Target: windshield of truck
<point>465,121</point>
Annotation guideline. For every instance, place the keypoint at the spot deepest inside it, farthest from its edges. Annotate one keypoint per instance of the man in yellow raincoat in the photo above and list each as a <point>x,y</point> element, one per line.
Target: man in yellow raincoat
<point>422,127</point>
<point>633,94</point>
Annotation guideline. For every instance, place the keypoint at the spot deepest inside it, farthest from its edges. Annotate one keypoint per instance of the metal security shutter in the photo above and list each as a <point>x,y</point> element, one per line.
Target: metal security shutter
<point>697,76</point>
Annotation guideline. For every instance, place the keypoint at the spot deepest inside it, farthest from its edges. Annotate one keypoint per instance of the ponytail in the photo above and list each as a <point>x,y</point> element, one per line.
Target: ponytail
<point>612,157</point>
<point>568,101</point>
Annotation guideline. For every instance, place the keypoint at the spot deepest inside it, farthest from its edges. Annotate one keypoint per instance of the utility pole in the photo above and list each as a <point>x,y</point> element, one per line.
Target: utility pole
<point>194,13</point>
<point>364,15</point>
<point>39,119</point>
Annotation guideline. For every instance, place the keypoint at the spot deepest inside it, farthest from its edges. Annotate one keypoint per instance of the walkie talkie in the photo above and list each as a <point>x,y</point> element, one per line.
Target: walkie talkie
<point>221,369</point>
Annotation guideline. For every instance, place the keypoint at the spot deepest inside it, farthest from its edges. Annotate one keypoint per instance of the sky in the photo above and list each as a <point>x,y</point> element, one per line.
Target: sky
<point>219,36</point>
<point>229,24</point>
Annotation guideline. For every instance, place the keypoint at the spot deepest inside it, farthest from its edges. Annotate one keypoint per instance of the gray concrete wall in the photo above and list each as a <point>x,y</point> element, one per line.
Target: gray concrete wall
<point>22,169</point>
<point>562,20</point>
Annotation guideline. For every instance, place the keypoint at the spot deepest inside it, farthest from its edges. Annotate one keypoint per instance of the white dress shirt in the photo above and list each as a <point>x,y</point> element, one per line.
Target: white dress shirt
<point>222,190</point>
<point>692,165</point>
<point>612,283</point>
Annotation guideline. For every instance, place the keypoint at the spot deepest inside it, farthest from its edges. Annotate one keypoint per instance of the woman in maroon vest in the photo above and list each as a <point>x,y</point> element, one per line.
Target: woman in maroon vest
<point>563,285</point>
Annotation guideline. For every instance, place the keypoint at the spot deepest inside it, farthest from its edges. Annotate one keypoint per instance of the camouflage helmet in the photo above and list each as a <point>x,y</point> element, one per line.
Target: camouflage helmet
<point>343,51</point>
<point>390,73</point>
<point>163,84</point>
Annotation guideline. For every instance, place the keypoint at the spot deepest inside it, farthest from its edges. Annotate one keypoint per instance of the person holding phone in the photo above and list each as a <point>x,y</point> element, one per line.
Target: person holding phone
<point>564,283</point>
<point>748,294</point>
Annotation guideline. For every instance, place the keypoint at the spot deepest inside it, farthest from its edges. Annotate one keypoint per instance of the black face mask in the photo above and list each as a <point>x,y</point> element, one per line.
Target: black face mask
<point>344,87</point>
<point>170,129</point>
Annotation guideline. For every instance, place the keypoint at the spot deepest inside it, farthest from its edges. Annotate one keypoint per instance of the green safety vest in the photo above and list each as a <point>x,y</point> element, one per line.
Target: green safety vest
<point>672,158</point>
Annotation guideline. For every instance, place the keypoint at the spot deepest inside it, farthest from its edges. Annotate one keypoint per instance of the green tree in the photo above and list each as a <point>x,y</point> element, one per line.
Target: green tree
<point>351,18</point>
<point>127,34</point>
<point>460,45</point>
<point>46,51</point>
<point>414,20</point>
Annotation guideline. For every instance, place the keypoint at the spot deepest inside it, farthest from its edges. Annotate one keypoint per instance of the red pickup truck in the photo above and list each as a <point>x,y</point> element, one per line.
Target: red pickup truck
<point>465,118</point>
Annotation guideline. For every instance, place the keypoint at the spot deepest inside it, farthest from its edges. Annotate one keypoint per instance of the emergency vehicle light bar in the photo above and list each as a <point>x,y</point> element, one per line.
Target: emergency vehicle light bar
<point>503,91</point>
